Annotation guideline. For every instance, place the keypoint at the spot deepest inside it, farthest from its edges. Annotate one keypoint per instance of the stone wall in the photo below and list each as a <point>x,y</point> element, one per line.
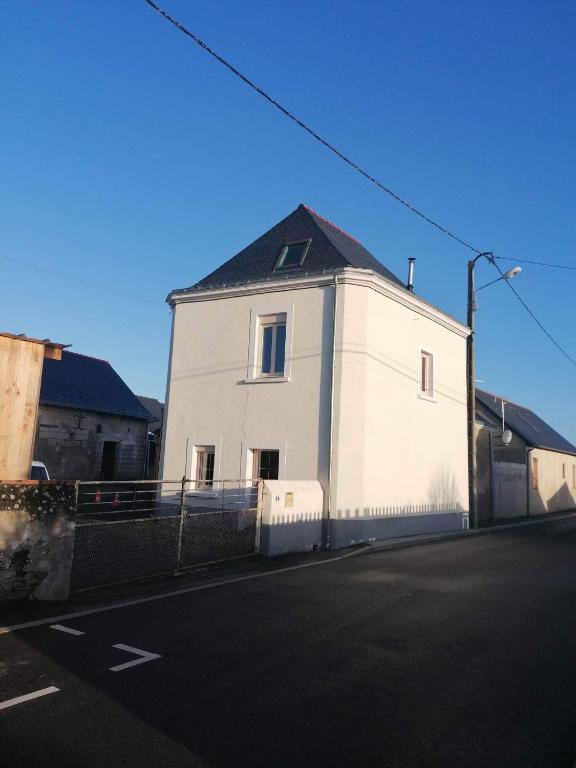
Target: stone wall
<point>36,540</point>
<point>70,443</point>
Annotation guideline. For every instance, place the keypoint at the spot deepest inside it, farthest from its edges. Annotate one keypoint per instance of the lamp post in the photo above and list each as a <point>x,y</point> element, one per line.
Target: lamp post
<point>470,380</point>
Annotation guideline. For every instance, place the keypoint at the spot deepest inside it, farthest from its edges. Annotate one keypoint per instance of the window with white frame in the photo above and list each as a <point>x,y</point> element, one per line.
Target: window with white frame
<point>265,465</point>
<point>272,345</point>
<point>204,466</point>
<point>426,374</point>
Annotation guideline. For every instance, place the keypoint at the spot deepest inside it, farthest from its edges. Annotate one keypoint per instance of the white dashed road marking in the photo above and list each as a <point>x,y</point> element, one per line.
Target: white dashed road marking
<point>144,657</point>
<point>28,697</point>
<point>69,630</point>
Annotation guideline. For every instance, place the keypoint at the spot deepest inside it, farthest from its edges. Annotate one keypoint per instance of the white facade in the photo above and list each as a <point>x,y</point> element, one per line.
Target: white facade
<point>350,410</point>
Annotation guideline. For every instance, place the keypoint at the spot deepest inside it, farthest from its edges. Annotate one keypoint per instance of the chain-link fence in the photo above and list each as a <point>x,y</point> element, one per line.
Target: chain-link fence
<point>132,530</point>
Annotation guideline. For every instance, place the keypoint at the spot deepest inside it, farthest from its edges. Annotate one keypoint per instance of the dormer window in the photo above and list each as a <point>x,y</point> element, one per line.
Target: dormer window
<point>292,255</point>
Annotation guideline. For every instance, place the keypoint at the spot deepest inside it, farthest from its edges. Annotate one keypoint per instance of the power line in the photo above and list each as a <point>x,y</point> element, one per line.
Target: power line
<point>538,263</point>
<point>305,127</point>
<point>533,316</point>
<point>79,280</point>
<point>346,159</point>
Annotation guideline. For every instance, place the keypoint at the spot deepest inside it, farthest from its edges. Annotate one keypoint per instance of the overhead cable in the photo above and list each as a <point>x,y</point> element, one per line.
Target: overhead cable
<point>533,316</point>
<point>79,280</point>
<point>307,128</point>
<point>537,263</point>
<point>343,157</point>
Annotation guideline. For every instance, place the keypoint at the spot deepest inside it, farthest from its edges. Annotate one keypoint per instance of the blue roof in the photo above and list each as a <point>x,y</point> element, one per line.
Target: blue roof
<point>330,249</point>
<point>525,423</point>
<point>89,384</point>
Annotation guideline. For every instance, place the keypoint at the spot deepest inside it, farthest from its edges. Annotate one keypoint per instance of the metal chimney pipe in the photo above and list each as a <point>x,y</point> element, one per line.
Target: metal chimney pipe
<point>410,284</point>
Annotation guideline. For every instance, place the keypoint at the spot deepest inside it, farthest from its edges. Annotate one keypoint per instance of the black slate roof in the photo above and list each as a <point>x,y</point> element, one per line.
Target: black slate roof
<point>155,408</point>
<point>90,384</point>
<point>330,249</point>
<point>525,423</point>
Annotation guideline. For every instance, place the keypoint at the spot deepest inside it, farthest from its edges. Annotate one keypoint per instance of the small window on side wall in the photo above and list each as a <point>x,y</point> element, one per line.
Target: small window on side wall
<point>426,374</point>
<point>204,466</point>
<point>272,346</point>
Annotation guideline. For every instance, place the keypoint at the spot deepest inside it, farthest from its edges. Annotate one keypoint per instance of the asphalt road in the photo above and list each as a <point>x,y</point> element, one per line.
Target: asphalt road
<point>459,653</point>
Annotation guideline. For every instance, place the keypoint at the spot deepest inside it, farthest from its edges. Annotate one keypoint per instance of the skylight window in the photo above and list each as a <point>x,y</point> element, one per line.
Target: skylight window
<point>292,255</point>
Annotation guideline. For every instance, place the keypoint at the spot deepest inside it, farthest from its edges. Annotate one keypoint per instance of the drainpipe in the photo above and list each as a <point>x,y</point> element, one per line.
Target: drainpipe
<point>330,432</point>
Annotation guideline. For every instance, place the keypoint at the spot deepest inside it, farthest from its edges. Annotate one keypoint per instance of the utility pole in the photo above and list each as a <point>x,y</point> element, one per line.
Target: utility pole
<point>471,401</point>
<point>471,381</point>
<point>471,394</point>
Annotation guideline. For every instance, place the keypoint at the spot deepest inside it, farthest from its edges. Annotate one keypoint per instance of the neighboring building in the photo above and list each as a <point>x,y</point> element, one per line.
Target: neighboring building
<point>533,474</point>
<point>156,409</point>
<point>91,426</point>
<point>21,362</point>
<point>305,358</point>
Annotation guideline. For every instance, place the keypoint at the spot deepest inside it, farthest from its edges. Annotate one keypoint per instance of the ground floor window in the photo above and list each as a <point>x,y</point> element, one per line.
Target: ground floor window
<point>266,463</point>
<point>204,466</point>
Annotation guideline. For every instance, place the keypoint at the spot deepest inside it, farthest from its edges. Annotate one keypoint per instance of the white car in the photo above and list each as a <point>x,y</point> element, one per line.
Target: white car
<point>39,471</point>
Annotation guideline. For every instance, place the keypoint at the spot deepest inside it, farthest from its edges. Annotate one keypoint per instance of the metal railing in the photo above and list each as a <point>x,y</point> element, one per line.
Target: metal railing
<point>131,530</point>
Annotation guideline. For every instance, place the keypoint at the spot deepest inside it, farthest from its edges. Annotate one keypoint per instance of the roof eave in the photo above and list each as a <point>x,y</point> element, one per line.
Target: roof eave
<point>366,277</point>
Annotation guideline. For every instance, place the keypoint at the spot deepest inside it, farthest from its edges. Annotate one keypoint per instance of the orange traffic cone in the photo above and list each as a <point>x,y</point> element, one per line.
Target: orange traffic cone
<point>98,497</point>
<point>116,502</point>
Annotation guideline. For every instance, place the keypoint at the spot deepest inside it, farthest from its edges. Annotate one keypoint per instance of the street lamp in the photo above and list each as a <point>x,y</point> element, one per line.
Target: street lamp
<point>470,381</point>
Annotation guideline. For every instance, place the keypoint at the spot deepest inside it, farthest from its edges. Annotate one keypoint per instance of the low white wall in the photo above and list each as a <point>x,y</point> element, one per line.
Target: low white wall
<point>291,516</point>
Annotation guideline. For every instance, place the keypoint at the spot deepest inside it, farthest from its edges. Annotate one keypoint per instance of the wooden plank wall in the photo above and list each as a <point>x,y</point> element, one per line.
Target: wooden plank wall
<point>20,375</point>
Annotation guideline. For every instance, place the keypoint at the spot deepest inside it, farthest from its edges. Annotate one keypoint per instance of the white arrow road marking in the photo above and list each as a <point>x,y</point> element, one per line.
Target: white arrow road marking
<point>144,657</point>
<point>69,630</point>
<point>28,697</point>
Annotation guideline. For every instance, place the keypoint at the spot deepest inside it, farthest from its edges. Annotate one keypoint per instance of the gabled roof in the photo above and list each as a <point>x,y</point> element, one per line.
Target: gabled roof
<point>525,423</point>
<point>90,384</point>
<point>52,349</point>
<point>330,249</point>
<point>155,408</point>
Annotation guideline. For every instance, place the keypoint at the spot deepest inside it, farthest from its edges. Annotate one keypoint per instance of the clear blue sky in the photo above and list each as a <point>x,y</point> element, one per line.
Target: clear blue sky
<point>132,159</point>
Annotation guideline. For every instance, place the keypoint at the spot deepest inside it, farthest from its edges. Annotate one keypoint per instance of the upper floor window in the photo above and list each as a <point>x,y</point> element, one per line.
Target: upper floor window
<point>272,345</point>
<point>292,255</point>
<point>426,374</point>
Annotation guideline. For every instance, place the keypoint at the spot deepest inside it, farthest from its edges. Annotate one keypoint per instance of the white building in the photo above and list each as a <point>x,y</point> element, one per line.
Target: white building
<point>304,358</point>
